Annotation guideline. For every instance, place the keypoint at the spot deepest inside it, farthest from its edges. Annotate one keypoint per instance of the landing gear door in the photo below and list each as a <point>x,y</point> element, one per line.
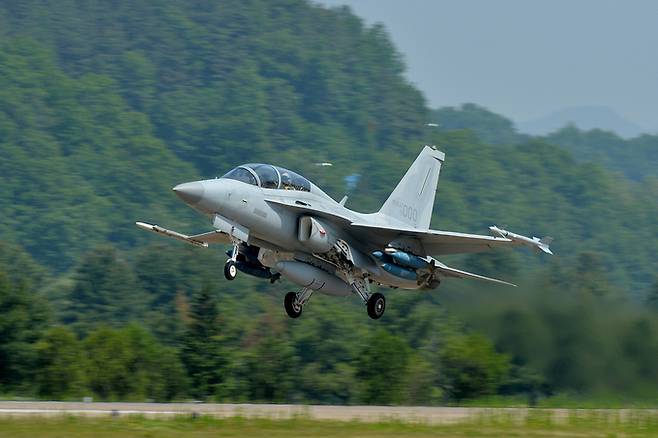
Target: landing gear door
<point>234,230</point>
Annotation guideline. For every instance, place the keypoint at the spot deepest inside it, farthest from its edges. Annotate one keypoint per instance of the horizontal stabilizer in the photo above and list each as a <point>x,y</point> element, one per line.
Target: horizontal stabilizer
<point>201,240</point>
<point>452,272</point>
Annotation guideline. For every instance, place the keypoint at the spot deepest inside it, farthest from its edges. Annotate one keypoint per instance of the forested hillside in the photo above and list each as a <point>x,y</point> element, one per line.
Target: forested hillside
<point>104,106</point>
<point>635,158</point>
<point>119,102</point>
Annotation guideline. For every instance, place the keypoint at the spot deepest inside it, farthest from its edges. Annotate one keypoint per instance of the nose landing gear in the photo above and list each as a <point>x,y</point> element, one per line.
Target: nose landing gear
<point>230,270</point>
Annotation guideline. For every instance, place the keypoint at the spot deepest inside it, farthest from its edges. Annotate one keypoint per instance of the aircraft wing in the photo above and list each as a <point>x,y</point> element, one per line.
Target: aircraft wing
<point>434,242</point>
<point>202,239</point>
<point>215,236</point>
<point>447,271</point>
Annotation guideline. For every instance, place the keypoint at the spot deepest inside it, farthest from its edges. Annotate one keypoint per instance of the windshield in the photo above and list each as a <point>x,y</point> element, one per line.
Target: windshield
<point>269,177</point>
<point>242,174</point>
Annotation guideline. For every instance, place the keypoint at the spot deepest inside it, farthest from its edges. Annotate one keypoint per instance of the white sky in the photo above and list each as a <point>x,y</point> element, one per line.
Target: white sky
<point>527,58</point>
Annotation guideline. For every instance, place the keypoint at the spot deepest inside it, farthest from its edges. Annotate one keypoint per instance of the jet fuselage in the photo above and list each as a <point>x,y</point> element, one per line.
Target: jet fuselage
<point>274,227</point>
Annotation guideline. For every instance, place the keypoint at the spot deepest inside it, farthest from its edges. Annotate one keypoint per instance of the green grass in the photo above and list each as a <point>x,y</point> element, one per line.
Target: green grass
<point>568,401</point>
<point>537,424</point>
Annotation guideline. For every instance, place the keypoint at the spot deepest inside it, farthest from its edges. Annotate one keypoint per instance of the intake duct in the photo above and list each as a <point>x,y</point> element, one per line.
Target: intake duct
<point>317,236</point>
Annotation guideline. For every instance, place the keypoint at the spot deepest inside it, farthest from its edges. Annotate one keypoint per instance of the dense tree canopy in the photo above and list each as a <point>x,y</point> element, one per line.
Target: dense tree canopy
<point>105,108</point>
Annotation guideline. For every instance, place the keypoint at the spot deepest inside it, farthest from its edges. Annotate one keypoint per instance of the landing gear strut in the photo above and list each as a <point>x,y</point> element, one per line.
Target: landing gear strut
<point>375,303</point>
<point>230,270</point>
<point>294,302</point>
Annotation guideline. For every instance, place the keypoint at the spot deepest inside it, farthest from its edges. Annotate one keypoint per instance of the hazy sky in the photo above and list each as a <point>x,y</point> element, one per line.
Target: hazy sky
<point>527,58</point>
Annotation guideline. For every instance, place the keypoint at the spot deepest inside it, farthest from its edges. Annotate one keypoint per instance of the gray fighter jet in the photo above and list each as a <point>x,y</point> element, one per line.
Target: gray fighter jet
<point>280,224</point>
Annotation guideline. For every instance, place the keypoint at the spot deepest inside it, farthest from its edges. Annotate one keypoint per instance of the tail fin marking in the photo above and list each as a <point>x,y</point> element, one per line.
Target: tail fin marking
<point>412,200</point>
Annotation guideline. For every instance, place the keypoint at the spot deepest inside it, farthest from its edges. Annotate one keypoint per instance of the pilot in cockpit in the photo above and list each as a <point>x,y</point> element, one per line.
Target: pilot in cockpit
<point>286,181</point>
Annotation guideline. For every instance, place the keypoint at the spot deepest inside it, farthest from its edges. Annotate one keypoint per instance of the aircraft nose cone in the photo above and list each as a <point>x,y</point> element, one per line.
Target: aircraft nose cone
<point>191,192</point>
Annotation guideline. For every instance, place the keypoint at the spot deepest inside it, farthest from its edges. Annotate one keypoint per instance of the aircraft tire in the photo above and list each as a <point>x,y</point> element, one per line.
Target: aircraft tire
<point>230,270</point>
<point>292,309</point>
<point>376,305</point>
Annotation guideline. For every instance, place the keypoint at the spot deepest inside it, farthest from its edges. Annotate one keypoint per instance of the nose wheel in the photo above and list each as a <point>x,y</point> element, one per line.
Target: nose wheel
<point>230,270</point>
<point>376,305</point>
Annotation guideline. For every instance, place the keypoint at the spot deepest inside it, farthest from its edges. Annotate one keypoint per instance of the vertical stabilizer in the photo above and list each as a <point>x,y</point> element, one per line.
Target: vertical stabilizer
<point>412,200</point>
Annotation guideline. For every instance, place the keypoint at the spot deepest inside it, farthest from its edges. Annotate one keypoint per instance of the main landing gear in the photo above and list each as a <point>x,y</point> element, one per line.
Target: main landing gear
<point>230,270</point>
<point>294,302</point>
<point>375,303</point>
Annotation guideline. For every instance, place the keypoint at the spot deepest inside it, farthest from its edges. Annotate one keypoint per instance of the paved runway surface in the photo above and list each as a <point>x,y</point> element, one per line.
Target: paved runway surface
<point>431,415</point>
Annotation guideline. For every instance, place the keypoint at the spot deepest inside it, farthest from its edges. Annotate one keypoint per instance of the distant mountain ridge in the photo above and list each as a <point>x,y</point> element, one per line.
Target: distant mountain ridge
<point>636,158</point>
<point>584,117</point>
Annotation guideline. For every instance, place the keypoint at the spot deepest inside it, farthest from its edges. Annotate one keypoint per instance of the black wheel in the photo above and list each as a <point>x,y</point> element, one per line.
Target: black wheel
<point>376,305</point>
<point>230,270</point>
<point>290,303</point>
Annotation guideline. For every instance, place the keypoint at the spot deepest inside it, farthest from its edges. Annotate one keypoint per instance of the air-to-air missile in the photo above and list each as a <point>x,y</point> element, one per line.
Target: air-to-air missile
<point>169,233</point>
<point>534,242</point>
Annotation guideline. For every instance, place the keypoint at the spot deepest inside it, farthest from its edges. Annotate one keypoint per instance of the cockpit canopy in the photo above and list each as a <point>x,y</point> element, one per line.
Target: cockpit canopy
<point>269,177</point>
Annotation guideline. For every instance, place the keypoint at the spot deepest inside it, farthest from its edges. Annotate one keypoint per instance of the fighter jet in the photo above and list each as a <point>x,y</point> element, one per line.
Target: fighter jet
<point>280,224</point>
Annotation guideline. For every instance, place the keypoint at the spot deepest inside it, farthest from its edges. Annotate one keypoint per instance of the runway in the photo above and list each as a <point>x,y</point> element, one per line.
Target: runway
<point>428,415</point>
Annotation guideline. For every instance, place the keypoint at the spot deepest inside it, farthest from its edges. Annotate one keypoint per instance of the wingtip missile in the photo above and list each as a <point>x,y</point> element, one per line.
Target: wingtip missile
<point>532,242</point>
<point>145,226</point>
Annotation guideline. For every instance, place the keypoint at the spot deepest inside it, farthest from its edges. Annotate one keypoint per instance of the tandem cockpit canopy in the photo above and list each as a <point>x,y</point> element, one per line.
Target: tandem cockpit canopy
<point>269,177</point>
